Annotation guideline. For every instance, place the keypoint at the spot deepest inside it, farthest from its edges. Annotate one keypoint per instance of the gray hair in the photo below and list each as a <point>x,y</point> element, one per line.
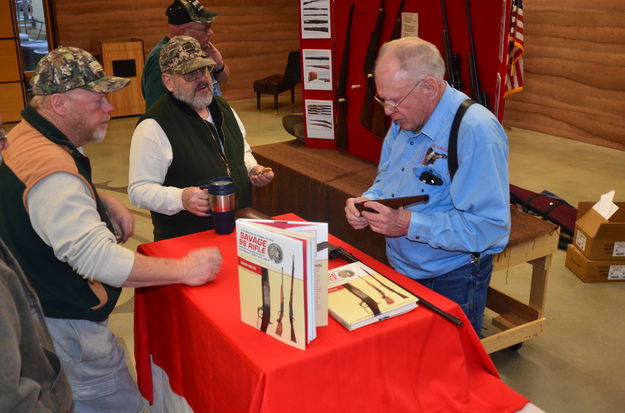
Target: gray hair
<point>417,58</point>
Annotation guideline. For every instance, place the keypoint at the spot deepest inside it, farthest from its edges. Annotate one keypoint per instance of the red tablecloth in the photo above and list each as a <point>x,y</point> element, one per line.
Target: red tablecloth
<point>417,362</point>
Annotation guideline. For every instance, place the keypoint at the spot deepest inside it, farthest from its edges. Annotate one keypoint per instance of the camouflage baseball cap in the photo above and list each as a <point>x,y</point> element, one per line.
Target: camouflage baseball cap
<point>186,11</point>
<point>183,54</point>
<point>67,68</point>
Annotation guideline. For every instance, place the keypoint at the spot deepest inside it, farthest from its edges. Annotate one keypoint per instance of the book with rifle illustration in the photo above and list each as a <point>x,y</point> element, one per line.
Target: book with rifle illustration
<point>359,295</point>
<point>282,278</point>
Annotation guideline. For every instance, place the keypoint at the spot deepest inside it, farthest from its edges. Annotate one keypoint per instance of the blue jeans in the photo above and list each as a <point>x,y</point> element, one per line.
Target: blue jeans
<point>95,366</point>
<point>467,286</point>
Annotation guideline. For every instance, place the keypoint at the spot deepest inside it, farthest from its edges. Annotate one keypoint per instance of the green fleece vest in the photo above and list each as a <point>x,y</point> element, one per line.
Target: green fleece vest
<point>63,292</point>
<point>197,159</point>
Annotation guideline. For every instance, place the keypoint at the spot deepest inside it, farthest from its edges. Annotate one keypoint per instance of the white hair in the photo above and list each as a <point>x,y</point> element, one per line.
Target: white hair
<point>417,58</point>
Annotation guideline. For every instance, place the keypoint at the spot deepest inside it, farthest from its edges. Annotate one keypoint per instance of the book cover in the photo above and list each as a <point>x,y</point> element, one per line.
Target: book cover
<point>359,295</point>
<point>276,270</point>
<point>320,254</point>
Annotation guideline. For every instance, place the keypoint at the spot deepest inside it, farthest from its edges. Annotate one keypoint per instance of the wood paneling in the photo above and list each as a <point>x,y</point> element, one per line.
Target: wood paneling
<point>11,101</point>
<point>254,37</point>
<point>574,79</point>
<point>6,21</point>
<point>10,68</point>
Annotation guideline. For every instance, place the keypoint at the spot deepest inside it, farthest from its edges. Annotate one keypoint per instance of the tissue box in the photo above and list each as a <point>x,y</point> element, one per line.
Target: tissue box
<point>593,270</point>
<point>598,238</point>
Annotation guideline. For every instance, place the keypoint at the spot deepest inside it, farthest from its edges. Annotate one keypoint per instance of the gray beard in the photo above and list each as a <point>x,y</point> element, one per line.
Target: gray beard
<point>197,103</point>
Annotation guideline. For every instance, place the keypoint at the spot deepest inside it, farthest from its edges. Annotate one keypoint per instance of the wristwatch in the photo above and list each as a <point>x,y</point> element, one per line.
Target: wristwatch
<point>218,71</point>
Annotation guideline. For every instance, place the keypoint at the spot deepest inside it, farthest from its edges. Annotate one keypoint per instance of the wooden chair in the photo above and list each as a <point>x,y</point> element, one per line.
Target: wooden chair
<point>276,84</point>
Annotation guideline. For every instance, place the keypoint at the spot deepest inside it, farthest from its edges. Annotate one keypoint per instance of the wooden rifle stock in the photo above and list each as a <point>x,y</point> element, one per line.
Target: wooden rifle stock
<point>266,307</point>
<point>392,202</point>
<point>340,130</point>
<point>478,94</point>
<point>452,61</point>
<point>366,113</point>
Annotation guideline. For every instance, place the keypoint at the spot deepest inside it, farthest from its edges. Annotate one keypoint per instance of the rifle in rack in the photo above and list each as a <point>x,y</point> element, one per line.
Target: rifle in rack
<point>478,94</point>
<point>452,61</point>
<point>396,34</point>
<point>340,131</point>
<point>373,120</point>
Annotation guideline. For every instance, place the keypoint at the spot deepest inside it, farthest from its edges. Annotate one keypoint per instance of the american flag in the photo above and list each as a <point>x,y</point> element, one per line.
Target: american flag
<point>516,49</point>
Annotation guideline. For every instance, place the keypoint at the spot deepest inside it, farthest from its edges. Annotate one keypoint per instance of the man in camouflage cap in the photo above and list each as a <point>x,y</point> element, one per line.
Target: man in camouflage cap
<point>187,138</point>
<point>185,18</point>
<point>65,234</point>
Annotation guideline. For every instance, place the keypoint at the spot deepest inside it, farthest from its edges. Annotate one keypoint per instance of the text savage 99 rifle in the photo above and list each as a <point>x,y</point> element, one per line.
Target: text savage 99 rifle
<point>452,61</point>
<point>371,117</point>
<point>340,131</point>
<point>478,94</point>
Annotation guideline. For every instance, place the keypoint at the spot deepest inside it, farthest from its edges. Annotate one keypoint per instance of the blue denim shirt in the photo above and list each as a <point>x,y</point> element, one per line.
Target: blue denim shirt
<point>470,214</point>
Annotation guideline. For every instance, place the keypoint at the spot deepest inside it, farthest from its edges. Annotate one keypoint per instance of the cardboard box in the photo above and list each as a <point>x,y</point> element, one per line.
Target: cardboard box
<point>593,270</point>
<point>598,238</point>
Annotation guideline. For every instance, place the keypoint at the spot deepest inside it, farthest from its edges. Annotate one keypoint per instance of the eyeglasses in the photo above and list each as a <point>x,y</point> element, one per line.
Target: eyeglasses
<point>195,75</point>
<point>394,106</point>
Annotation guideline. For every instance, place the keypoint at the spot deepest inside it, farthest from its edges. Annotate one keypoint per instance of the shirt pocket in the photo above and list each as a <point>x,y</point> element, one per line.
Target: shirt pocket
<point>431,182</point>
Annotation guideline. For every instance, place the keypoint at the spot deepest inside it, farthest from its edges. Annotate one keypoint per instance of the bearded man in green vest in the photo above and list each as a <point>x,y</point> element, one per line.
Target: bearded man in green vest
<point>187,138</point>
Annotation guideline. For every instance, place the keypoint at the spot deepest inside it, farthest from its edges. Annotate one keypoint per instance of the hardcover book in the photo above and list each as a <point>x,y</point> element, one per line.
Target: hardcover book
<point>280,278</point>
<point>359,295</point>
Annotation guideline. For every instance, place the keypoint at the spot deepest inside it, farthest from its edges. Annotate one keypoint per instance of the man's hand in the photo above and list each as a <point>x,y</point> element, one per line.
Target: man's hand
<point>211,51</point>
<point>260,175</point>
<point>122,219</point>
<point>387,221</point>
<point>353,215</point>
<point>201,266</point>
<point>195,200</point>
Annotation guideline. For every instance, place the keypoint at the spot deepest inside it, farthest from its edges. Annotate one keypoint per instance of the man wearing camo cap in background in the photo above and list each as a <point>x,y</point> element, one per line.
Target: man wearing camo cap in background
<point>185,18</point>
<point>65,235</point>
<point>186,139</point>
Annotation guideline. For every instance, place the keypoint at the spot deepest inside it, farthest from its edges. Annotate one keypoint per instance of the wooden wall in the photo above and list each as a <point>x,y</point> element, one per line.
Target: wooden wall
<point>574,71</point>
<point>254,37</point>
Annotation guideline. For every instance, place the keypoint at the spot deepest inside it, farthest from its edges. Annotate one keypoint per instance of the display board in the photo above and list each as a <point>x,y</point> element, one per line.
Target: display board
<point>337,94</point>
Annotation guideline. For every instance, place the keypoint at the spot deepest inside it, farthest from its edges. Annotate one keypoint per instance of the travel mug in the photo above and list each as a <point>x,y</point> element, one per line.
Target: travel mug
<point>223,203</point>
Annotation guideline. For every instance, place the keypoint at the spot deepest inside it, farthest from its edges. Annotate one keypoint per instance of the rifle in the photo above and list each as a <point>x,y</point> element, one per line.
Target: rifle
<point>367,112</point>
<point>452,61</point>
<point>281,312</point>
<point>392,202</point>
<point>479,95</point>
<point>336,251</point>
<point>340,132</point>
<point>397,28</point>
<point>385,297</point>
<point>384,285</point>
<point>291,316</point>
<point>264,312</point>
<point>365,300</point>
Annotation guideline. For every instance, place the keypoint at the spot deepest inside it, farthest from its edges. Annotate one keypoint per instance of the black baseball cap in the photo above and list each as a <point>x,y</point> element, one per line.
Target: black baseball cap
<point>186,11</point>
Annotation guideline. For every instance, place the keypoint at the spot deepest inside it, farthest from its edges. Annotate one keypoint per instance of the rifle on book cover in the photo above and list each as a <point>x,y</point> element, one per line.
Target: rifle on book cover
<point>384,285</point>
<point>264,312</point>
<point>291,316</point>
<point>340,131</point>
<point>372,119</point>
<point>452,61</point>
<point>385,297</point>
<point>392,202</point>
<point>365,300</point>
<point>478,94</point>
<point>336,252</point>
<point>281,312</point>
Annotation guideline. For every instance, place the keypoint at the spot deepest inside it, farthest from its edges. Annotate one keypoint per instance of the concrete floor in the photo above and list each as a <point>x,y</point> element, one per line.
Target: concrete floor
<point>577,364</point>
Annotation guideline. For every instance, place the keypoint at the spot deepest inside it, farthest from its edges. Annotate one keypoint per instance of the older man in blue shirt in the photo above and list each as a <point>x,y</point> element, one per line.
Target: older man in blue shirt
<point>448,242</point>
